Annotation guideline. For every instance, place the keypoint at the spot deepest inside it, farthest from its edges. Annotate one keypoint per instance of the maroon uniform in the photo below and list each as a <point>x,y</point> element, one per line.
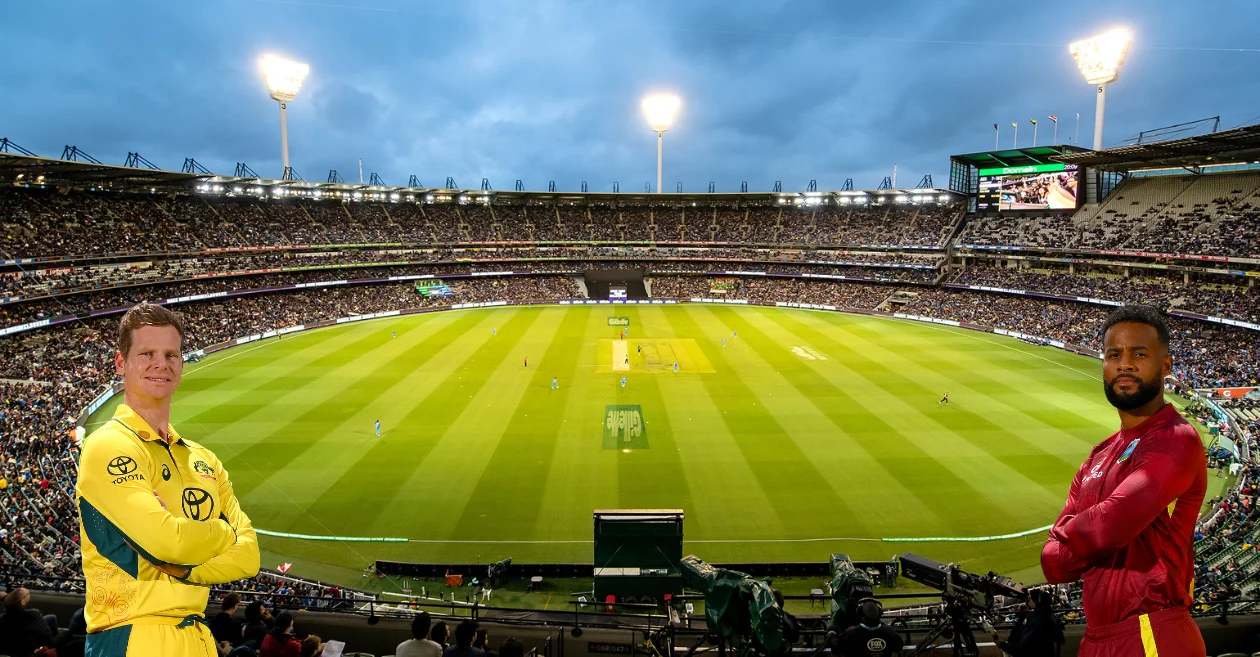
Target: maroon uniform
<point>1128,530</point>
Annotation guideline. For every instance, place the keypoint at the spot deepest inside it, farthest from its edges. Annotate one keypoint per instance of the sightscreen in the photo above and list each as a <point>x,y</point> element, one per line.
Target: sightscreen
<point>1035,187</point>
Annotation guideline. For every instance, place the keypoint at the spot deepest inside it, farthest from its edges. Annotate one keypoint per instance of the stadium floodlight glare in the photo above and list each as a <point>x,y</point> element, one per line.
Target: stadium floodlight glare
<point>660,110</point>
<point>283,78</point>
<point>1100,59</point>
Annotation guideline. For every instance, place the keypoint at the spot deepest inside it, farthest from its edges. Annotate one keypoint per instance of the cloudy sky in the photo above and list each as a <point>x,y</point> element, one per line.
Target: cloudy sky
<point>546,90</point>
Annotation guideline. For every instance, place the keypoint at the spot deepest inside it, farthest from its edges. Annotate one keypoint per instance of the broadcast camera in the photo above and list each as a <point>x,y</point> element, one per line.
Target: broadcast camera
<point>497,573</point>
<point>849,586</point>
<point>739,609</point>
<point>968,599</point>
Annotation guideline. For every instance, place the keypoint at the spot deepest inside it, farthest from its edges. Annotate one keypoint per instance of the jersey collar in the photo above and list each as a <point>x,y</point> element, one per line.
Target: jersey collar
<point>129,418</point>
<point>1166,413</point>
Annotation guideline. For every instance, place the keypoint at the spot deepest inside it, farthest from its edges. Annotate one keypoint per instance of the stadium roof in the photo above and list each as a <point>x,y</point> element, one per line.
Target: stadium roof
<point>25,169</point>
<point>1016,157</point>
<point>53,172</point>
<point>1217,148</point>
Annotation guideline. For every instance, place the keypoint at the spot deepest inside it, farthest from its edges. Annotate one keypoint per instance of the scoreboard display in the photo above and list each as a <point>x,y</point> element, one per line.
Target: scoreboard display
<point>1033,187</point>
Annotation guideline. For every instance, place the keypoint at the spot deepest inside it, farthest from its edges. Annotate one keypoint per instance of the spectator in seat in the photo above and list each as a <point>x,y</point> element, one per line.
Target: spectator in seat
<point>418,645</point>
<point>440,634</point>
<point>312,645</point>
<point>226,628</point>
<point>482,642</point>
<point>465,632</point>
<point>257,623</point>
<point>280,641</point>
<point>24,630</point>
<point>512,647</point>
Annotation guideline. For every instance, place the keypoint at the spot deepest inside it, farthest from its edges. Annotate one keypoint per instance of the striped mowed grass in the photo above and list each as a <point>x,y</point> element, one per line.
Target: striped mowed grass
<point>808,433</point>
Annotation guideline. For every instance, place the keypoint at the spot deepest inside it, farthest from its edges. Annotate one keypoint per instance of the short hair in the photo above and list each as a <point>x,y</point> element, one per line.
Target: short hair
<point>464,633</point>
<point>311,645</point>
<point>281,624</point>
<point>440,632</point>
<point>231,600</point>
<point>420,625</point>
<point>512,647</point>
<point>1148,315</point>
<point>15,599</point>
<point>870,610</point>
<point>147,314</point>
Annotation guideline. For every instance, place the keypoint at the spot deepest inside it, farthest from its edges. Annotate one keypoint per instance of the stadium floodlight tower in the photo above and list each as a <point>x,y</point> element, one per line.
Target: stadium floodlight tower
<point>660,110</point>
<point>1100,59</point>
<point>284,78</point>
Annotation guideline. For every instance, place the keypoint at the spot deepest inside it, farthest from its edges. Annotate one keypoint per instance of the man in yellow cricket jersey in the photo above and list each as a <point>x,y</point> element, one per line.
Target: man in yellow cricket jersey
<point>158,520</point>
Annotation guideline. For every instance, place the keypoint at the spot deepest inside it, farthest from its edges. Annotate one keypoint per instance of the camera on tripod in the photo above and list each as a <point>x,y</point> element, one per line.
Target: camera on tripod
<point>968,598</point>
<point>977,590</point>
<point>739,609</point>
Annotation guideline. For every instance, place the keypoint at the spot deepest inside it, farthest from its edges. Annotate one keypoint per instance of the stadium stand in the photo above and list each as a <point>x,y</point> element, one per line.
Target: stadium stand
<point>1209,215</point>
<point>1215,296</point>
<point>102,251</point>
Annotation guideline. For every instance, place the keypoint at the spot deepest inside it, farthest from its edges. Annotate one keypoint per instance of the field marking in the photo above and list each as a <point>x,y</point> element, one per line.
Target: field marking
<point>620,356</point>
<point>808,353</point>
<point>234,354</point>
<point>968,333</point>
<point>971,333</point>
<point>824,539</point>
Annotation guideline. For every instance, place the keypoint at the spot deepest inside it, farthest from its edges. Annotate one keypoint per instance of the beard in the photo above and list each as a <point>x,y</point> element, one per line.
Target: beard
<point>1128,401</point>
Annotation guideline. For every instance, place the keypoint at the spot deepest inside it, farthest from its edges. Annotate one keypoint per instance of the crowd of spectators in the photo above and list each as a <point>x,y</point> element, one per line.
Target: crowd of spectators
<point>234,280</point>
<point>46,223</point>
<point>1206,355</point>
<point>33,283</point>
<point>770,290</point>
<point>1165,290</point>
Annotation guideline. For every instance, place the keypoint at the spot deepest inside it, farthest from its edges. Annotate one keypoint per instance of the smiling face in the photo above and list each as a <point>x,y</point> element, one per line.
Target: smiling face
<point>1135,363</point>
<point>154,363</point>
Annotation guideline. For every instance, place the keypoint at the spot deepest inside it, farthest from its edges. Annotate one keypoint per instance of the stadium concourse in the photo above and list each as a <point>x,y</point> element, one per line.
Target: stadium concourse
<point>240,259</point>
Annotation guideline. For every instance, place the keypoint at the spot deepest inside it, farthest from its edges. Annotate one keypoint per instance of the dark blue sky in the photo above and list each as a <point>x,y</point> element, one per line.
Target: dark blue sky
<point>542,90</point>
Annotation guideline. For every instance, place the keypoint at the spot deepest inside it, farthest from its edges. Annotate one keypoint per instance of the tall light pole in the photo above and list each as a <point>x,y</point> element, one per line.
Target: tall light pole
<point>284,78</point>
<point>660,110</point>
<point>1100,59</point>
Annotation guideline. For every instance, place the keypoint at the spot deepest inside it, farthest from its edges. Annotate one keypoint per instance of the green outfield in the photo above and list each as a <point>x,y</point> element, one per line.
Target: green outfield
<point>809,433</point>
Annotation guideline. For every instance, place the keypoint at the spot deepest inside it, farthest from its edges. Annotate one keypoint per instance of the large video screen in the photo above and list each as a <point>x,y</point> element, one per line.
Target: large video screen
<point>1036,187</point>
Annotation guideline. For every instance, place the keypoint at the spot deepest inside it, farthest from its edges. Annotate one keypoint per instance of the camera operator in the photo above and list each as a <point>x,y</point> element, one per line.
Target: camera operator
<point>1037,633</point>
<point>791,627</point>
<point>870,637</point>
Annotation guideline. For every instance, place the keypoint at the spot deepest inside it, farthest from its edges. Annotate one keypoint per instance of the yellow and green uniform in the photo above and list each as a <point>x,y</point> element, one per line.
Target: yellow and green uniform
<point>132,607</point>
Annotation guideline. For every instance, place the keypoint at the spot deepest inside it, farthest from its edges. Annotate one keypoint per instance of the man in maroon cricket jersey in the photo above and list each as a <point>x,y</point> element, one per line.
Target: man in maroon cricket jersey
<point>1128,526</point>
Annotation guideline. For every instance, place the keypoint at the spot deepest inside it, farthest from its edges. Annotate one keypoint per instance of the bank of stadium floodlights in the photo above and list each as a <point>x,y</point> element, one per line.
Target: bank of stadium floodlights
<point>1100,59</point>
<point>284,78</point>
<point>660,110</point>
